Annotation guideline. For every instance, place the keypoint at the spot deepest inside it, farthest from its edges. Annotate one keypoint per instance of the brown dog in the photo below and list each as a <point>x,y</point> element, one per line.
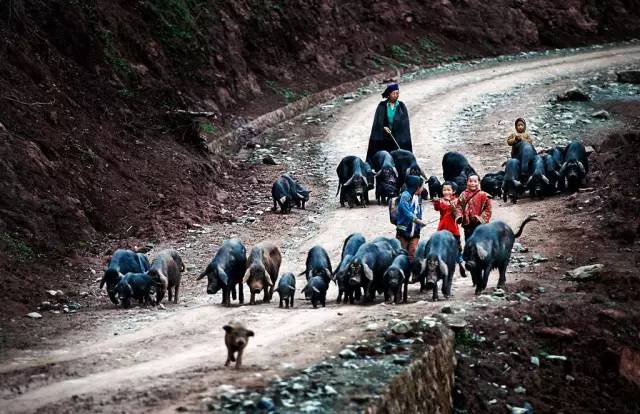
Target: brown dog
<point>236,339</point>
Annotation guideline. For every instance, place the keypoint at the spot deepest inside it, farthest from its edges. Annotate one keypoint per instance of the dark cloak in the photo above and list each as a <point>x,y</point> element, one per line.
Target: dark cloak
<point>380,140</point>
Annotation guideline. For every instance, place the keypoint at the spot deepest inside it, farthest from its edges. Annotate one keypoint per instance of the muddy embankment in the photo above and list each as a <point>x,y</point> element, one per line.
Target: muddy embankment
<point>94,143</point>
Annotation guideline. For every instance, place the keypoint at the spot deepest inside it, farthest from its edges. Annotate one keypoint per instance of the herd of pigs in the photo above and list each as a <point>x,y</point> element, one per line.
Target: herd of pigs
<point>366,268</point>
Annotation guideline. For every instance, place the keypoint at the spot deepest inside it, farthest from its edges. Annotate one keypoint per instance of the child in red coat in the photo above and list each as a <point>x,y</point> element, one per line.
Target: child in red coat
<point>450,212</point>
<point>475,205</point>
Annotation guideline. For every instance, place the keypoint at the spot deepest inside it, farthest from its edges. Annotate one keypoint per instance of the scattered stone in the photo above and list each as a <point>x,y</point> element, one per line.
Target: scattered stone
<point>519,248</point>
<point>520,390</point>
<point>401,328</point>
<point>297,386</point>
<point>427,323</point>
<point>492,402</point>
<point>453,322</point>
<point>526,409</point>
<point>570,259</point>
<point>614,314</point>
<point>266,404</point>
<point>629,76</point>
<point>34,315</point>
<point>527,318</point>
<point>361,398</point>
<point>371,327</point>
<point>84,294</point>
<point>348,354</point>
<point>540,289</point>
<point>555,332</point>
<point>573,94</point>
<point>268,160</point>
<point>329,390</point>
<point>537,258</point>
<point>45,306</point>
<point>556,357</point>
<point>500,293</point>
<point>535,361</point>
<point>522,297</point>
<point>452,309</point>
<point>602,114</point>
<point>588,272</point>
<point>629,367</point>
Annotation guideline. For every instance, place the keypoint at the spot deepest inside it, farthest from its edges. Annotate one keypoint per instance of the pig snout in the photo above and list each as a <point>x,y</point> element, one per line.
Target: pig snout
<point>240,342</point>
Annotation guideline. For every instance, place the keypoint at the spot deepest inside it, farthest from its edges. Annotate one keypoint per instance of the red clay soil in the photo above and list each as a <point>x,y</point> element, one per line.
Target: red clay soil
<point>595,324</point>
<point>90,151</point>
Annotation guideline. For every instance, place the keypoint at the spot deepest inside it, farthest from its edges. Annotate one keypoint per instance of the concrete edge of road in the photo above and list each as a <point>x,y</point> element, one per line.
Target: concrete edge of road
<point>232,141</point>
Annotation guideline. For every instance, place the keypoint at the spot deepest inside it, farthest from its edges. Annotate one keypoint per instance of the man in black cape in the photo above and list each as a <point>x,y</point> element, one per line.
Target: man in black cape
<point>391,114</point>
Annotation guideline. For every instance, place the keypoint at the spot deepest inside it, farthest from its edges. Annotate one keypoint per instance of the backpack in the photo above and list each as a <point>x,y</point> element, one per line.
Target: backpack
<point>393,209</point>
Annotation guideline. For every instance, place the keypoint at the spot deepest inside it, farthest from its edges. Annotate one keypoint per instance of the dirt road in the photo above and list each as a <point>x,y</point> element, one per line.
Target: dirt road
<point>158,362</point>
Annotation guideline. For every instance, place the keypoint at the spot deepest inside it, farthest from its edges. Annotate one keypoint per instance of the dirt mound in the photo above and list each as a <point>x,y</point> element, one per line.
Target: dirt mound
<point>561,353</point>
<point>613,175</point>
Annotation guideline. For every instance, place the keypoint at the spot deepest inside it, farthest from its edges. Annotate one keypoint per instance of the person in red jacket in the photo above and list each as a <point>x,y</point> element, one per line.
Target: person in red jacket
<point>475,205</point>
<point>450,211</point>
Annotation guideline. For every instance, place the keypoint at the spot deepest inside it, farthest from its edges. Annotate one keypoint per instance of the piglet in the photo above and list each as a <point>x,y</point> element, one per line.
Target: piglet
<point>236,339</point>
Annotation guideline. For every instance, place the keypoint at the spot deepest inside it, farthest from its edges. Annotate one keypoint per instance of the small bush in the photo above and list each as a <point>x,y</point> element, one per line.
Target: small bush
<point>15,248</point>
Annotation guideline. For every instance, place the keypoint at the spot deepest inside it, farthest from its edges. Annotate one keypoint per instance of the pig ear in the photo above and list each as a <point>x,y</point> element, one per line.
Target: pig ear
<point>246,276</point>
<point>482,252</point>
<point>545,179</point>
<point>102,282</point>
<point>250,332</point>
<point>203,274</point>
<point>423,265</point>
<point>367,271</point>
<point>329,275</point>
<point>269,282</point>
<point>581,166</point>
<point>227,328</point>
<point>564,167</point>
<point>443,268</point>
<point>395,171</point>
<point>223,276</point>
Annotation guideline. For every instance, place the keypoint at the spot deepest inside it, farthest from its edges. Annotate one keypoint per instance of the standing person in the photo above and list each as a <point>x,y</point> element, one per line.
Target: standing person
<point>450,211</point>
<point>409,218</point>
<point>391,115</point>
<point>475,205</point>
<point>520,135</point>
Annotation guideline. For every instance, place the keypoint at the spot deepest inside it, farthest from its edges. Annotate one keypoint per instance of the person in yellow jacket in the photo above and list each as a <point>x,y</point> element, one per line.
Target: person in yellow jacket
<point>521,133</point>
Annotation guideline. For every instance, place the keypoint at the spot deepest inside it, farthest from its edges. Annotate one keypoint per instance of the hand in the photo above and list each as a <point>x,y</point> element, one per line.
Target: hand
<point>387,130</point>
<point>459,220</point>
<point>421,222</point>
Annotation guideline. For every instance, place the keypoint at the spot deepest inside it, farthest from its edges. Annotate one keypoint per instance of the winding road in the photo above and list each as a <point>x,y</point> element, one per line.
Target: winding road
<point>163,363</point>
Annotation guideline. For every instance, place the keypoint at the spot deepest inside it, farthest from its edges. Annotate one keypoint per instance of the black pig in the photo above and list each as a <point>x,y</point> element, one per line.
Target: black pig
<point>226,270</point>
<point>396,279</point>
<point>138,286</point>
<point>489,247</point>
<point>286,289</point>
<point>122,262</point>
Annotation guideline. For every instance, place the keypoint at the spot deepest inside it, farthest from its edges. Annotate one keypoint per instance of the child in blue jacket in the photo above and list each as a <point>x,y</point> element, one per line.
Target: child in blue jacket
<point>409,216</point>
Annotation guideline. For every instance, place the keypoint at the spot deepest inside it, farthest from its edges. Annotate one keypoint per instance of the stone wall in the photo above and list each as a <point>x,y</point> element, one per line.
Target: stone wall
<point>426,385</point>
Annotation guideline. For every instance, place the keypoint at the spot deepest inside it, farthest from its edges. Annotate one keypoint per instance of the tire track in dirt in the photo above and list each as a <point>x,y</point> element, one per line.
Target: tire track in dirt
<point>192,336</point>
